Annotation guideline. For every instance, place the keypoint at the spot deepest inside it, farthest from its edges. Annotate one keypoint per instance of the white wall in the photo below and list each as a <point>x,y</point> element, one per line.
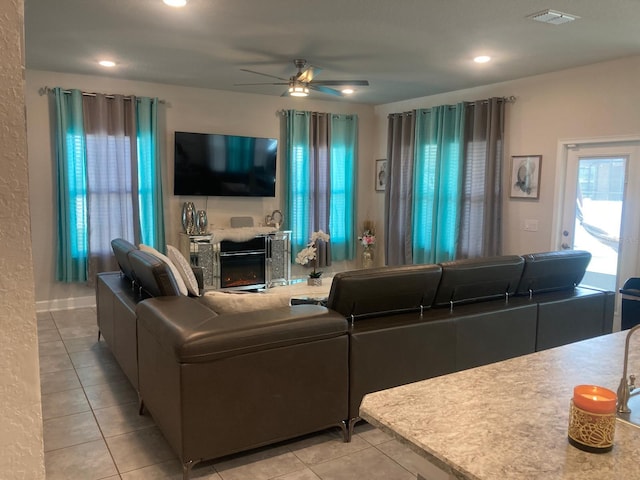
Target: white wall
<point>188,109</point>
<point>21,448</point>
<point>600,100</point>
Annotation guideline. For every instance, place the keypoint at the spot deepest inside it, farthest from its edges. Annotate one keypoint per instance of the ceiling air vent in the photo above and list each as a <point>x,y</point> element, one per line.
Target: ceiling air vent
<point>553,17</point>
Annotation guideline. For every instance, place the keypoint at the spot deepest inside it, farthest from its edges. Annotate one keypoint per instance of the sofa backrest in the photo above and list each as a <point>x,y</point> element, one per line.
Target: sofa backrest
<point>549,271</point>
<point>384,290</point>
<point>152,275</point>
<point>121,249</point>
<point>478,279</point>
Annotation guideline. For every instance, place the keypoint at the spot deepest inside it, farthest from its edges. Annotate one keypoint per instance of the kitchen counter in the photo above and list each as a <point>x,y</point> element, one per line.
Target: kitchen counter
<point>508,420</point>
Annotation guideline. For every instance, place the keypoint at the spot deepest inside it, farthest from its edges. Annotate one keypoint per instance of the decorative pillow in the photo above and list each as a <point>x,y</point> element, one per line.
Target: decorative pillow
<point>185,270</point>
<point>174,271</point>
<point>240,302</point>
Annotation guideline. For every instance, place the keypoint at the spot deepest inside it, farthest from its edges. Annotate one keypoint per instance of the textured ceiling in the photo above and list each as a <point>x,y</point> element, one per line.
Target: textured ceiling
<point>405,48</point>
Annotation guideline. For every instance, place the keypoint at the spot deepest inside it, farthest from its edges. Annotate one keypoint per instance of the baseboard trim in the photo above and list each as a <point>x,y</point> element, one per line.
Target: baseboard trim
<point>65,303</point>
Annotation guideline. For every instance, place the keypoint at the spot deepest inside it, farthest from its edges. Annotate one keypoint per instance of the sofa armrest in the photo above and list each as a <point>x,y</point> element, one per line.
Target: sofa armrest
<point>194,334</point>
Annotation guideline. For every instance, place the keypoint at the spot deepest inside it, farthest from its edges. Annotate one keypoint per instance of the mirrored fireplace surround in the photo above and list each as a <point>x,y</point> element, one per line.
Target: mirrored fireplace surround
<point>260,262</point>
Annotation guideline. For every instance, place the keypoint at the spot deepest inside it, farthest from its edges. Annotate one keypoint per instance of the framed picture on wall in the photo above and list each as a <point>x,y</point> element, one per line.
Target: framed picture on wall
<point>525,176</point>
<point>381,175</point>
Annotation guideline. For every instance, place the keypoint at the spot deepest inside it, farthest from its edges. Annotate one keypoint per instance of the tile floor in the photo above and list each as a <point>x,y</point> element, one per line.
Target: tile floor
<point>92,429</point>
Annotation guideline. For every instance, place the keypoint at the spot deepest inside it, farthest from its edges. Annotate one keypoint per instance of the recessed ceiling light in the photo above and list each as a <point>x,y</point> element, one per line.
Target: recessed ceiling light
<point>347,91</point>
<point>175,3</point>
<point>482,59</point>
<point>107,63</point>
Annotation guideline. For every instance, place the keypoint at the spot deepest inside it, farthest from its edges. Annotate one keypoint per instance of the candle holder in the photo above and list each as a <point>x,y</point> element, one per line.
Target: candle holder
<point>592,419</point>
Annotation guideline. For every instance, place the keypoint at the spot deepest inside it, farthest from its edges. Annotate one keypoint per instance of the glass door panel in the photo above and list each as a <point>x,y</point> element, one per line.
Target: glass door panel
<point>599,200</point>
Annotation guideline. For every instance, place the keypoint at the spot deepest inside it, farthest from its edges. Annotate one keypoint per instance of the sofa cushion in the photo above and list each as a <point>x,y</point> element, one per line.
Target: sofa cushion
<point>186,272</point>
<point>549,271</point>
<point>121,249</point>
<point>182,287</point>
<point>478,279</point>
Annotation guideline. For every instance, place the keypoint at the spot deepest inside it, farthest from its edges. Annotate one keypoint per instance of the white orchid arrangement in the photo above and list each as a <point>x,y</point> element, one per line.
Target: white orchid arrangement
<point>309,253</point>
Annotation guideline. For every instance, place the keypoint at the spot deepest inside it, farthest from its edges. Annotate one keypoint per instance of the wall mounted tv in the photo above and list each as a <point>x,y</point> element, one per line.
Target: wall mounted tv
<point>224,165</point>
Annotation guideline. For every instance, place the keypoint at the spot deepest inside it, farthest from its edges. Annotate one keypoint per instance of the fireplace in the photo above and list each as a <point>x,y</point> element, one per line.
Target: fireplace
<point>242,264</point>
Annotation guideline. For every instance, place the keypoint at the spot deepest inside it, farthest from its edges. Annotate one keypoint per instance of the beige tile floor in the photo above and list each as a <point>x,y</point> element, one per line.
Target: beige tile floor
<point>92,429</point>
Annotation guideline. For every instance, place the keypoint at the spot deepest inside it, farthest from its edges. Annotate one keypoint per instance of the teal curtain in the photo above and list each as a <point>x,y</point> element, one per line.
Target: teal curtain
<point>437,186</point>
<point>71,165</point>
<point>151,218</point>
<point>109,179</point>
<point>321,157</point>
<point>342,208</point>
<point>297,189</point>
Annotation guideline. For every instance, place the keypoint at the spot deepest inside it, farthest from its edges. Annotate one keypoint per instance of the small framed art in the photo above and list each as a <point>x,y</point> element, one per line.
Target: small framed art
<point>381,175</point>
<point>525,176</point>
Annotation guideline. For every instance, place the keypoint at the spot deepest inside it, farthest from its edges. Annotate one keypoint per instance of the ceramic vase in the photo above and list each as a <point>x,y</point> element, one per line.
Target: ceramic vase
<point>314,282</point>
<point>189,218</point>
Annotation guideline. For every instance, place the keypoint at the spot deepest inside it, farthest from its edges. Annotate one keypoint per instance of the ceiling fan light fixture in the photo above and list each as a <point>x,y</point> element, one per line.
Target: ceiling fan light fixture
<point>298,90</point>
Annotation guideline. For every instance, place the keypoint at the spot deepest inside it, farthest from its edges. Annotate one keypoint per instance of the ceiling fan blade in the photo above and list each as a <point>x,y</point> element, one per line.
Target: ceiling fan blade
<point>308,73</point>
<point>337,83</point>
<point>275,83</point>
<point>265,74</point>
<point>330,91</point>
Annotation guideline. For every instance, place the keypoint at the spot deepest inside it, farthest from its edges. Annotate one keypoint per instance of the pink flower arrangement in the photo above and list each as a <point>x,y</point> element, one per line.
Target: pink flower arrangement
<point>368,238</point>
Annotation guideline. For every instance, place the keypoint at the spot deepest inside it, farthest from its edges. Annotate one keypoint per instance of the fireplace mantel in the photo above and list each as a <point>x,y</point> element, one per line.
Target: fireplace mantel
<point>240,234</point>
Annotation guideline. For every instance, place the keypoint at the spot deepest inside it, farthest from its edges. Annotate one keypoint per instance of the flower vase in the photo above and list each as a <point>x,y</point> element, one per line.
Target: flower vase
<point>367,257</point>
<point>314,281</point>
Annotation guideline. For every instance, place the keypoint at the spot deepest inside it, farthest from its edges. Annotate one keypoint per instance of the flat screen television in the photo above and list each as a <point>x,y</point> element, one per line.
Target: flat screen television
<point>224,165</point>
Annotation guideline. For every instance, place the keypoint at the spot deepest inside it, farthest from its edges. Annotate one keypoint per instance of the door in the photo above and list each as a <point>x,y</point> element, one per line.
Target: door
<point>600,211</point>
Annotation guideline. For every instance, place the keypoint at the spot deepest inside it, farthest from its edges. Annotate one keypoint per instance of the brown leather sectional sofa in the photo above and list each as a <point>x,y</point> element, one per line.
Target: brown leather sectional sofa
<point>220,384</point>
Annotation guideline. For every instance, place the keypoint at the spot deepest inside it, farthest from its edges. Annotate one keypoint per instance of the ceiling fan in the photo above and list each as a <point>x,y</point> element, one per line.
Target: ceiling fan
<point>298,85</point>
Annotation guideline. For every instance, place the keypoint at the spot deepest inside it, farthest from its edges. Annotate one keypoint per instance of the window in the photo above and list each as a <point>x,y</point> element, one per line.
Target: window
<point>109,180</point>
<point>321,170</point>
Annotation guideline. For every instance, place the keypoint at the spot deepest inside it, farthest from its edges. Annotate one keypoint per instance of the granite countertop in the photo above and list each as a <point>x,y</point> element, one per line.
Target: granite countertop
<point>508,420</point>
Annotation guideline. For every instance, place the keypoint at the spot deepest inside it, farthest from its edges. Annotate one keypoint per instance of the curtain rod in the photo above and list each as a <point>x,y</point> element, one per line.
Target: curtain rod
<point>510,99</point>
<point>46,90</point>
<point>285,113</point>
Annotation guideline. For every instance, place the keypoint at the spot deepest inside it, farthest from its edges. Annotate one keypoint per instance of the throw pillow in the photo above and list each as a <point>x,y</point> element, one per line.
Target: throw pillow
<point>185,270</point>
<point>241,302</point>
<point>174,271</point>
